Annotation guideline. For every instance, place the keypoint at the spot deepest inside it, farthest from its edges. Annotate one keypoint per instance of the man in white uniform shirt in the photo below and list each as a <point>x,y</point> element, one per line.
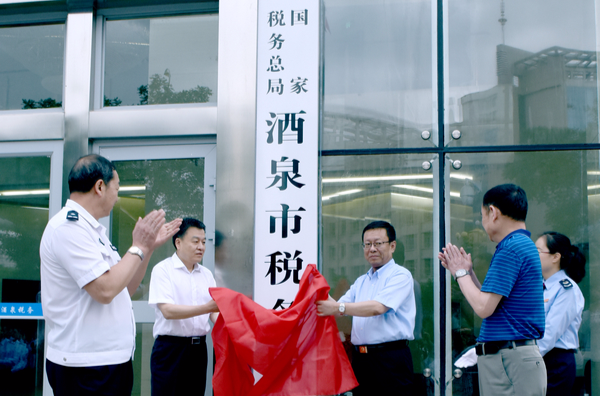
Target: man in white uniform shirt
<point>86,286</point>
<point>179,294</point>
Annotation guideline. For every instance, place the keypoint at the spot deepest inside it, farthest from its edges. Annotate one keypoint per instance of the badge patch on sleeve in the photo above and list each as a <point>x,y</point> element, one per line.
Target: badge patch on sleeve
<point>72,215</point>
<point>566,283</point>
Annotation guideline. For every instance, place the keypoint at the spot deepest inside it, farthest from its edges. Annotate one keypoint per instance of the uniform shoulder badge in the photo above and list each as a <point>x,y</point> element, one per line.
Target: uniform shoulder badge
<point>566,283</point>
<point>72,215</point>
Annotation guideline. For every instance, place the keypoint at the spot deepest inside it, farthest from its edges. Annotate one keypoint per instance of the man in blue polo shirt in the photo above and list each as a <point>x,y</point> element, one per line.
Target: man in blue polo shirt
<point>510,301</point>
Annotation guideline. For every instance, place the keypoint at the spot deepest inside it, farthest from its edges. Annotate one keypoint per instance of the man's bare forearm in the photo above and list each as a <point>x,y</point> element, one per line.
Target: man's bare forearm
<point>176,311</point>
<point>484,304</point>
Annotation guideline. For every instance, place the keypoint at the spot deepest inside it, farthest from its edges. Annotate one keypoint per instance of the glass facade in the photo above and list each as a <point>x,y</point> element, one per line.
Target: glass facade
<point>516,83</point>
<point>160,61</point>
<point>358,190</point>
<point>31,66</point>
<point>24,205</point>
<point>516,76</point>
<point>176,186</point>
<point>378,74</point>
<point>562,195</point>
<point>426,105</point>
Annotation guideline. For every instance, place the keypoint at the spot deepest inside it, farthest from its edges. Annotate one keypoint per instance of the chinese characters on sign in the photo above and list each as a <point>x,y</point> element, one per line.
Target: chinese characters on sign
<point>21,310</point>
<point>287,144</point>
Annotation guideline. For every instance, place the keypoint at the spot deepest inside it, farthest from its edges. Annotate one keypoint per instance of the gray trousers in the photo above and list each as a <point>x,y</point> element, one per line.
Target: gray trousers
<point>512,372</point>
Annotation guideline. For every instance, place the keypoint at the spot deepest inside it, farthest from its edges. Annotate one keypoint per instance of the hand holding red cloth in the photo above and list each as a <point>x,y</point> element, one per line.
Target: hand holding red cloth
<point>297,352</point>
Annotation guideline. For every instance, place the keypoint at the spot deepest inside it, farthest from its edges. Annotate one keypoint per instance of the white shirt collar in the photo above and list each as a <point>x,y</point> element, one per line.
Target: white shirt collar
<point>177,263</point>
<point>84,213</point>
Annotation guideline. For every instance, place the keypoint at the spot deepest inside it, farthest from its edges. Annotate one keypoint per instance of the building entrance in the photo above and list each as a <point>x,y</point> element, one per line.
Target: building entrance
<point>179,178</point>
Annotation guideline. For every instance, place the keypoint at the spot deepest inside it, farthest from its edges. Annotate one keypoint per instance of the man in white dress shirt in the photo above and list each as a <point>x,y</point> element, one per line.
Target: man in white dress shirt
<point>86,285</point>
<point>179,294</point>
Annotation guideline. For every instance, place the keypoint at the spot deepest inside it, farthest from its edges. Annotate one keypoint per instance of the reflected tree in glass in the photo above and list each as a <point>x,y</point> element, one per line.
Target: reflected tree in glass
<point>40,104</point>
<point>177,186</point>
<point>160,91</point>
<point>161,60</point>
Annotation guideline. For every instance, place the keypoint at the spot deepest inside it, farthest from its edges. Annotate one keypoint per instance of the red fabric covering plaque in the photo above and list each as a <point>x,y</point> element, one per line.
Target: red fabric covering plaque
<point>297,352</point>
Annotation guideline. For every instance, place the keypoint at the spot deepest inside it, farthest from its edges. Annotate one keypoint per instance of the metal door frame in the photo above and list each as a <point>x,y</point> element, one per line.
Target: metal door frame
<point>162,149</point>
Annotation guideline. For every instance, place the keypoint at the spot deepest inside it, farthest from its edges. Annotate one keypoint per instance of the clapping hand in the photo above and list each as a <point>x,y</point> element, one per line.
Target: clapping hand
<point>452,258</point>
<point>151,231</point>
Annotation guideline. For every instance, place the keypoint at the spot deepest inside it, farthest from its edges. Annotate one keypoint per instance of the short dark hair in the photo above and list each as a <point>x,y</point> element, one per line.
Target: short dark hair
<point>186,224</point>
<point>571,258</point>
<point>389,229</point>
<point>88,170</point>
<point>509,198</point>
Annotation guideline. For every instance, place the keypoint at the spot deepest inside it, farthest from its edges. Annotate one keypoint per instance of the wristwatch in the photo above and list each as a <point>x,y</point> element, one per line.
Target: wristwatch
<point>460,273</point>
<point>342,308</point>
<point>137,251</point>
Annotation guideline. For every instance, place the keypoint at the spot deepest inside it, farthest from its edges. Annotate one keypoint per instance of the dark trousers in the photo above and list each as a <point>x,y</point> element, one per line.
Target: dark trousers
<point>111,380</point>
<point>178,367</point>
<point>385,372</point>
<point>561,369</point>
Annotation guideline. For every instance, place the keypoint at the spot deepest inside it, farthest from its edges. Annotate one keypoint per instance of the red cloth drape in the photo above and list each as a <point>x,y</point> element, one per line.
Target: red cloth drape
<point>297,352</point>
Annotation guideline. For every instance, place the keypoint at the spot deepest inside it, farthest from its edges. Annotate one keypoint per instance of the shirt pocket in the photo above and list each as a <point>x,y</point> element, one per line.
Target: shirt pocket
<point>108,255</point>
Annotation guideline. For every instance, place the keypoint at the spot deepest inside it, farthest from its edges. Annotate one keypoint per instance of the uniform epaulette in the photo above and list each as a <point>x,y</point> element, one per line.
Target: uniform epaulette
<point>72,215</point>
<point>566,283</point>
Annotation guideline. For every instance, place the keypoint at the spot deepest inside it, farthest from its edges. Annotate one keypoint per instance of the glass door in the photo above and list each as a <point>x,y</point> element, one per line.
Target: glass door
<point>399,189</point>
<point>562,192</point>
<point>179,178</point>
<point>30,193</point>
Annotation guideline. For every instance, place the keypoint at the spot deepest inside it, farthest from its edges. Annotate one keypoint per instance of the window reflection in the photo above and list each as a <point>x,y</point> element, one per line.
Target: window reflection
<point>24,202</point>
<point>31,66</point>
<point>522,73</point>
<point>562,196</point>
<point>177,186</point>
<point>378,74</point>
<point>161,61</point>
<point>358,190</point>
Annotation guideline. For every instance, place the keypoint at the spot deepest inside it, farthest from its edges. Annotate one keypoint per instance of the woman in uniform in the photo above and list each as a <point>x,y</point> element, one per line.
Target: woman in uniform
<point>563,266</point>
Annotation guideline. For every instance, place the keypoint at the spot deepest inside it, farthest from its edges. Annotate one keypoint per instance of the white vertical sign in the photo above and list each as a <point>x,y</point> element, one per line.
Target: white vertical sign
<point>287,148</point>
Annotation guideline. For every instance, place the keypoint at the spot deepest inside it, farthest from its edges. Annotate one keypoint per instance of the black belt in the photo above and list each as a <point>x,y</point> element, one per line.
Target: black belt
<point>384,346</point>
<point>559,351</point>
<point>183,340</point>
<point>493,347</point>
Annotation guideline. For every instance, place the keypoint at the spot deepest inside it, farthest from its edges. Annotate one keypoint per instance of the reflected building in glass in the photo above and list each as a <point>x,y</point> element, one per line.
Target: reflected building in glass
<point>547,97</point>
<point>425,105</point>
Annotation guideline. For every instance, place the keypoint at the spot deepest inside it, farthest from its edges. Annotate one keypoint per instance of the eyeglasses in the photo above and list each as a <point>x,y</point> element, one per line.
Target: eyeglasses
<point>539,251</point>
<point>377,245</point>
